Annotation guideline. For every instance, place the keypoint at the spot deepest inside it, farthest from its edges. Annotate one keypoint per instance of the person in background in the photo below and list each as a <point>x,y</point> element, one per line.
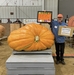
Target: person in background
<point>59,40</point>
<point>17,21</point>
<point>9,21</point>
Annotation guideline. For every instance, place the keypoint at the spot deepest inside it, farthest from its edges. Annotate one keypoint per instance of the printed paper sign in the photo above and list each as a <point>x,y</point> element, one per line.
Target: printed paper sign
<point>44,16</point>
<point>66,31</point>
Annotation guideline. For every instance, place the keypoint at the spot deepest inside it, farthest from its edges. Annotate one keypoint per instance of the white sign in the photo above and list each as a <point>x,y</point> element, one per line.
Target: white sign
<point>26,21</point>
<point>65,31</point>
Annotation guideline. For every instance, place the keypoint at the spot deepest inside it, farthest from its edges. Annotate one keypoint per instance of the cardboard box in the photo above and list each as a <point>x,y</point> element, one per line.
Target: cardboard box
<point>14,26</point>
<point>46,25</point>
<point>22,25</point>
<point>65,31</point>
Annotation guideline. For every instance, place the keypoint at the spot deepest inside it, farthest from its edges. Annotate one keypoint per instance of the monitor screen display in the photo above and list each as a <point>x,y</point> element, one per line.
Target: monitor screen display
<point>44,16</point>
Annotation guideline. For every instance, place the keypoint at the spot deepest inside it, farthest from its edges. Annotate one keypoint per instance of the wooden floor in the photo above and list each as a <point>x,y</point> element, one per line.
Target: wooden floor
<point>68,69</point>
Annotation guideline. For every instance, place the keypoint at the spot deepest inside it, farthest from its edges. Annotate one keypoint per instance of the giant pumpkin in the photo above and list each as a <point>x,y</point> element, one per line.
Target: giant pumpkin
<point>31,37</point>
<point>2,31</point>
<point>71,21</point>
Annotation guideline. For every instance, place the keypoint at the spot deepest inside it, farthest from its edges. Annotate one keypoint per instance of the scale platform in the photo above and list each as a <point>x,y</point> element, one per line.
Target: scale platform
<point>35,63</point>
<point>47,51</point>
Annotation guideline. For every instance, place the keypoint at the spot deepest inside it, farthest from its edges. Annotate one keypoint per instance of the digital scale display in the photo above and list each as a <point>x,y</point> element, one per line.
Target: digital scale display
<point>44,16</point>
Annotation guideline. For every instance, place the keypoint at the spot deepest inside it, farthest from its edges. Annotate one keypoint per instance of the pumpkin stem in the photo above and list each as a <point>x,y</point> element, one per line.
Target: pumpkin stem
<point>36,38</point>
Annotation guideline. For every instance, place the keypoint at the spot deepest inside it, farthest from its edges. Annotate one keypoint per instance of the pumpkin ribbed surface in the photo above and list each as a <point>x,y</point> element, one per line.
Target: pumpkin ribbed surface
<point>30,38</point>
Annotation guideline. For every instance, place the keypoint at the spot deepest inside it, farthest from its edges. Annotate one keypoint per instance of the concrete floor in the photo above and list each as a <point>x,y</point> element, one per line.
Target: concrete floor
<point>68,69</point>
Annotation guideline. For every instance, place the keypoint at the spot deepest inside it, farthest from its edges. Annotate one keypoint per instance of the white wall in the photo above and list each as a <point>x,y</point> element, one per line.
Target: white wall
<point>21,8</point>
<point>24,10</point>
<point>51,5</point>
<point>19,11</point>
<point>20,2</point>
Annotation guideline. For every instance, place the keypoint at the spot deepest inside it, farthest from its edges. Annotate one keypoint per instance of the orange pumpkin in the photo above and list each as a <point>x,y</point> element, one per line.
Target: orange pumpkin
<point>2,31</point>
<point>31,37</point>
